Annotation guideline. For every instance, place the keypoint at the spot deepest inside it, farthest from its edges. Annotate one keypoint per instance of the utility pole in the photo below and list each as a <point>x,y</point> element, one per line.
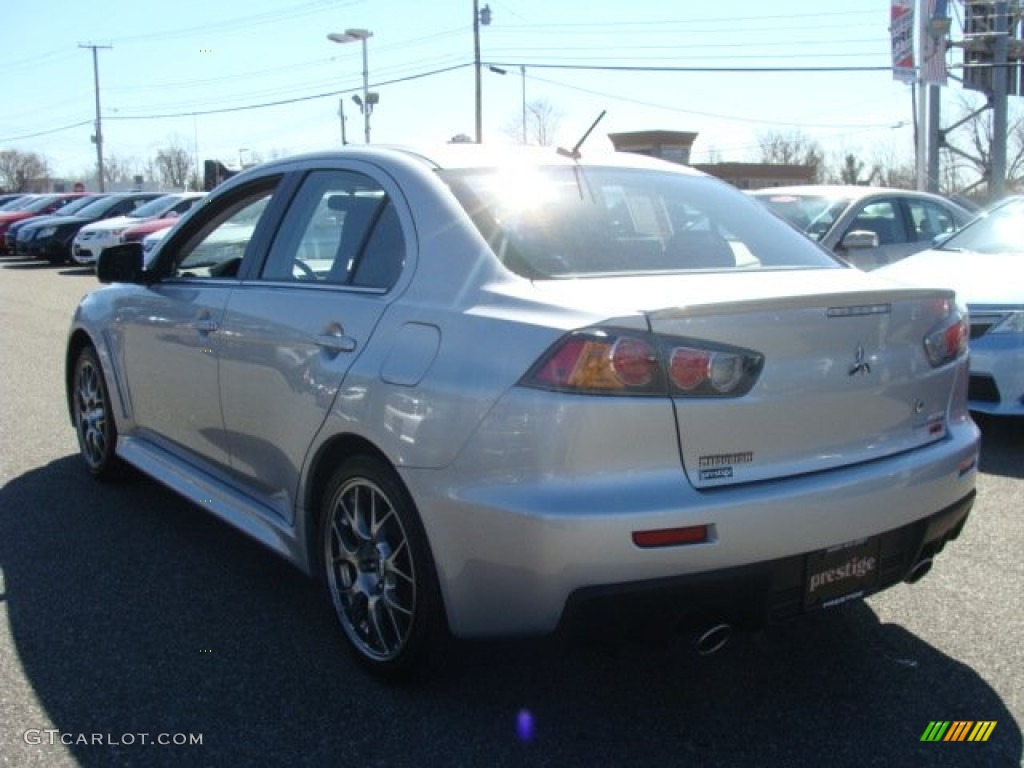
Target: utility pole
<point>98,135</point>
<point>522,71</point>
<point>997,182</point>
<point>480,16</point>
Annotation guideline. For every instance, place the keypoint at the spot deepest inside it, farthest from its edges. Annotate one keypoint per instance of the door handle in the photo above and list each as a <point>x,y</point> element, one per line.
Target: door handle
<point>335,342</point>
<point>205,326</point>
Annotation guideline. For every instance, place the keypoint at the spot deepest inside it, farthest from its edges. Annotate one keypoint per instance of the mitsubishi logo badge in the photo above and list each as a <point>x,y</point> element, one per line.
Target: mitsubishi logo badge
<point>860,367</point>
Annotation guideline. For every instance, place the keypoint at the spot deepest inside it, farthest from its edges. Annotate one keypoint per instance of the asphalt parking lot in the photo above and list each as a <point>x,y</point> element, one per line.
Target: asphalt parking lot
<point>129,618</point>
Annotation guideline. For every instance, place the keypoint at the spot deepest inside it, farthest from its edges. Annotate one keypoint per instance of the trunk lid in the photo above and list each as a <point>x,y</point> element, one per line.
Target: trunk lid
<point>845,376</point>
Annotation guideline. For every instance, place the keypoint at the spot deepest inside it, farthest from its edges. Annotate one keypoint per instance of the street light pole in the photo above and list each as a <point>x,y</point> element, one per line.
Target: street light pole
<point>366,104</point>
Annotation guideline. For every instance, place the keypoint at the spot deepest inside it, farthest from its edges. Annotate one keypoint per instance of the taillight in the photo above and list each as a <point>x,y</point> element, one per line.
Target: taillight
<point>614,362</point>
<point>958,412</point>
<point>600,363</point>
<point>948,341</point>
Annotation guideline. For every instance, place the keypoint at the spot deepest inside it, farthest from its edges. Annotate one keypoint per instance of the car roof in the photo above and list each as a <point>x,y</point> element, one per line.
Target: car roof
<point>843,191</point>
<point>464,155</point>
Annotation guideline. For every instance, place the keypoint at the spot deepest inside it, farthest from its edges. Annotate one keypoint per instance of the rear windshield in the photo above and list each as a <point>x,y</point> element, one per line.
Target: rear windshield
<point>573,221</point>
<point>1001,230</point>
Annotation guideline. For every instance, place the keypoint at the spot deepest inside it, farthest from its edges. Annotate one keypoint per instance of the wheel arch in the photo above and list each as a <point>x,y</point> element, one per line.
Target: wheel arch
<point>78,341</point>
<point>330,455</point>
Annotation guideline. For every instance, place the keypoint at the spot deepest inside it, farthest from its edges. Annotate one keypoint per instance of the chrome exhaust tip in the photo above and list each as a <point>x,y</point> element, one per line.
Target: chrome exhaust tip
<point>918,572</point>
<point>713,639</point>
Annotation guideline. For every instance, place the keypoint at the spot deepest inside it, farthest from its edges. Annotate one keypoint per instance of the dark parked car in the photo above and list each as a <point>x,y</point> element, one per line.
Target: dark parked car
<point>866,226</point>
<point>51,240</point>
<point>40,206</point>
<point>16,231</point>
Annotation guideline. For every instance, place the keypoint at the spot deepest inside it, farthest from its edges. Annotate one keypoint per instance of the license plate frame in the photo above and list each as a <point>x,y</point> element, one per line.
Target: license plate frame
<point>844,572</point>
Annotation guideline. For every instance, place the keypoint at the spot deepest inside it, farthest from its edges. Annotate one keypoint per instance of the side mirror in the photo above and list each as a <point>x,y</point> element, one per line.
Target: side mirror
<point>939,240</point>
<point>858,239</point>
<point>120,264</point>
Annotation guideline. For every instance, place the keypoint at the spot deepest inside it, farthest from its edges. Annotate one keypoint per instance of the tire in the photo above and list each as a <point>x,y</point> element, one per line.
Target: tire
<point>93,417</point>
<point>378,572</point>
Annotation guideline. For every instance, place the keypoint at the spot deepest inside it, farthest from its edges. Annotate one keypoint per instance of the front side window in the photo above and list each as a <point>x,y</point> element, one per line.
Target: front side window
<point>556,222</point>
<point>883,218</point>
<point>219,246</point>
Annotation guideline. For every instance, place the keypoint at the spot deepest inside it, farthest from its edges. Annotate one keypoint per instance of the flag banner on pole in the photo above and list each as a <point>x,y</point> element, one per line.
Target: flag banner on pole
<point>901,27</point>
<point>933,53</point>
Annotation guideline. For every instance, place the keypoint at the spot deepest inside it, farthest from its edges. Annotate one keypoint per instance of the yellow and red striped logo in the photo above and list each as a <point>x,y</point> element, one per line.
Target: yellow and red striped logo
<point>958,730</point>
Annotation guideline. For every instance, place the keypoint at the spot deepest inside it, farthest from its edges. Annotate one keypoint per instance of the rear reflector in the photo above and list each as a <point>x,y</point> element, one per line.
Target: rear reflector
<point>671,537</point>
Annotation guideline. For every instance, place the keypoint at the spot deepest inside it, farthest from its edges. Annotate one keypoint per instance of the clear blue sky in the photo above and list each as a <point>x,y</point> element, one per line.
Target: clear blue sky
<point>191,57</point>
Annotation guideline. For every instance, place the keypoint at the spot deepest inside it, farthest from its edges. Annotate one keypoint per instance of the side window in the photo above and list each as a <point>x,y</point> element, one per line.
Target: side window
<point>929,220</point>
<point>881,217</point>
<point>381,262</point>
<point>341,229</point>
<point>219,246</point>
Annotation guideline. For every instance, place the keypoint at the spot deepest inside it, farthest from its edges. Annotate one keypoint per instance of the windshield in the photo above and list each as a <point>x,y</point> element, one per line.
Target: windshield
<point>75,206</point>
<point>552,222</point>
<point>98,208</point>
<point>811,214</point>
<point>41,203</point>
<point>16,204</point>
<point>157,207</point>
<point>1001,230</point>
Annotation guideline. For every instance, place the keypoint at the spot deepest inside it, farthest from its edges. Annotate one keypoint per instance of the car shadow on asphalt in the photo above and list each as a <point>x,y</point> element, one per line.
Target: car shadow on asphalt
<point>132,612</point>
<point>1002,445</point>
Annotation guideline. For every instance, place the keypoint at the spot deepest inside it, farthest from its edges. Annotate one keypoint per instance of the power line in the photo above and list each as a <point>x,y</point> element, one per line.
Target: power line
<point>733,118</point>
<point>46,132</point>
<point>294,100</point>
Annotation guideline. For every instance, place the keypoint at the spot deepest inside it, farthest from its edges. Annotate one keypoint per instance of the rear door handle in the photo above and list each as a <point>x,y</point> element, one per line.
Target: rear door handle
<point>335,342</point>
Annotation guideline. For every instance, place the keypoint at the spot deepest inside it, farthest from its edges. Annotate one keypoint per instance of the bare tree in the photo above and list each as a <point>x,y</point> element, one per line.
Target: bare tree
<point>174,164</point>
<point>851,170</point>
<point>970,146</point>
<point>890,170</point>
<point>20,171</point>
<point>542,119</point>
<point>118,169</point>
<point>792,149</point>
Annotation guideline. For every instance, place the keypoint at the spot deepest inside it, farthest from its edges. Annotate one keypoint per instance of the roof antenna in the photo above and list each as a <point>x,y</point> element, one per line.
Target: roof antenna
<point>574,153</point>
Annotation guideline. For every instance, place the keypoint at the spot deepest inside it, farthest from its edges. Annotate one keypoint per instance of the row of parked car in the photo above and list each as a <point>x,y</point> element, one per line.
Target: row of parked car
<point>78,226</point>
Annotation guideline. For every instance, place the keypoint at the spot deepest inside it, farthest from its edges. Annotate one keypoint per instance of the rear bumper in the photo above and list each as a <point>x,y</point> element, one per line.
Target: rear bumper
<point>751,596</point>
<point>517,550</point>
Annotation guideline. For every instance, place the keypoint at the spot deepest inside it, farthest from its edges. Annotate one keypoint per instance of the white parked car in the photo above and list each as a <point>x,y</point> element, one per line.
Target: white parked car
<point>984,264</point>
<point>93,238</point>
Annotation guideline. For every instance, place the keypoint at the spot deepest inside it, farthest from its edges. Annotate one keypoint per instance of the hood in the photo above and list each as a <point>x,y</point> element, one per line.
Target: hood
<point>117,222</point>
<point>60,221</point>
<point>36,222</point>
<point>977,278</point>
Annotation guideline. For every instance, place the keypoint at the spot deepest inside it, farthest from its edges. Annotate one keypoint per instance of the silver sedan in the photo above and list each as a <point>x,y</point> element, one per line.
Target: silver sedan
<point>499,392</point>
<point>867,226</point>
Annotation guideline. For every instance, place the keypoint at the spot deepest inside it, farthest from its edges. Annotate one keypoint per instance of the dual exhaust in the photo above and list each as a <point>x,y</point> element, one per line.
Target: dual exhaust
<point>712,638</point>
